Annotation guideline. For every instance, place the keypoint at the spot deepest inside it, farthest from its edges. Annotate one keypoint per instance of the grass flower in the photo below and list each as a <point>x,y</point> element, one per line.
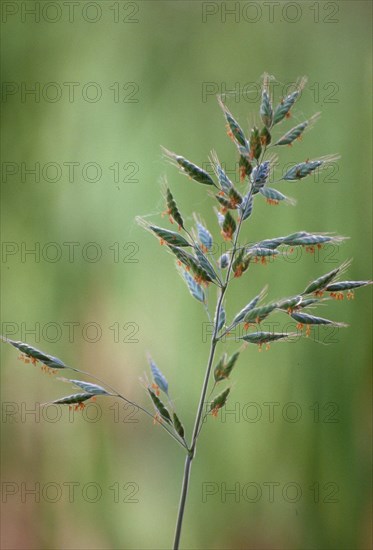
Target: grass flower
<point>193,249</point>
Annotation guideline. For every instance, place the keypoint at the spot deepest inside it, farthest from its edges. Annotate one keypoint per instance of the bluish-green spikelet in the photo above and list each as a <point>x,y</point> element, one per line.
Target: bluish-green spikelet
<point>225,366</point>
<point>259,175</point>
<point>303,169</point>
<point>225,203</point>
<point>199,272</point>
<point>302,238</point>
<point>265,136</point>
<point>93,389</point>
<point>284,107</point>
<point>273,196</point>
<point>297,131</point>
<point>235,197</point>
<point>160,407</point>
<point>271,243</point>
<point>204,236</point>
<point>224,181</point>
<point>315,239</point>
<point>346,285</point>
<point>266,110</point>
<point>289,303</point>
<point>172,208</point>
<point>282,110</point>
<point>182,256</point>
<point>308,302</point>
<point>258,314</point>
<point>296,303</point>
<point>238,262</point>
<point>75,399</point>
<point>306,319</point>
<point>37,355</point>
<point>293,134</point>
<point>255,144</point>
<point>221,321</point>
<point>158,377</point>
<point>219,369</point>
<point>220,217</point>
<point>219,401</point>
<point>251,305</point>
<point>205,264</point>
<point>231,363</point>
<point>223,261</point>
<point>262,251</point>
<point>169,237</point>
<point>228,227</point>
<point>245,166</point>
<point>234,129</point>
<point>289,239</point>
<point>195,289</point>
<point>192,170</point>
<point>246,206</point>
<point>266,337</point>
<point>178,425</point>
<point>320,284</point>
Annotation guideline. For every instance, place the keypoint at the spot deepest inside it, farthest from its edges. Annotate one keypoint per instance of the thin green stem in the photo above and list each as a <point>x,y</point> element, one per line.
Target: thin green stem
<point>184,493</point>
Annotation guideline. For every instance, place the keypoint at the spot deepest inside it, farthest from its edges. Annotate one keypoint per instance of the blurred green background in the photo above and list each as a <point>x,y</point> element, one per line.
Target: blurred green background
<point>151,62</point>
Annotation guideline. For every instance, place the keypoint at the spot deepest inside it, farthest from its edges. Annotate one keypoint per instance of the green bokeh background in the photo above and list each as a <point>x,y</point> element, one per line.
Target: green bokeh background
<point>170,54</point>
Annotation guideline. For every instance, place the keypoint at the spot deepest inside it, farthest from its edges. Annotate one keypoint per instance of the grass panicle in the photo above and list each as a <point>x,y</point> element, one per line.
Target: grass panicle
<point>204,259</point>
